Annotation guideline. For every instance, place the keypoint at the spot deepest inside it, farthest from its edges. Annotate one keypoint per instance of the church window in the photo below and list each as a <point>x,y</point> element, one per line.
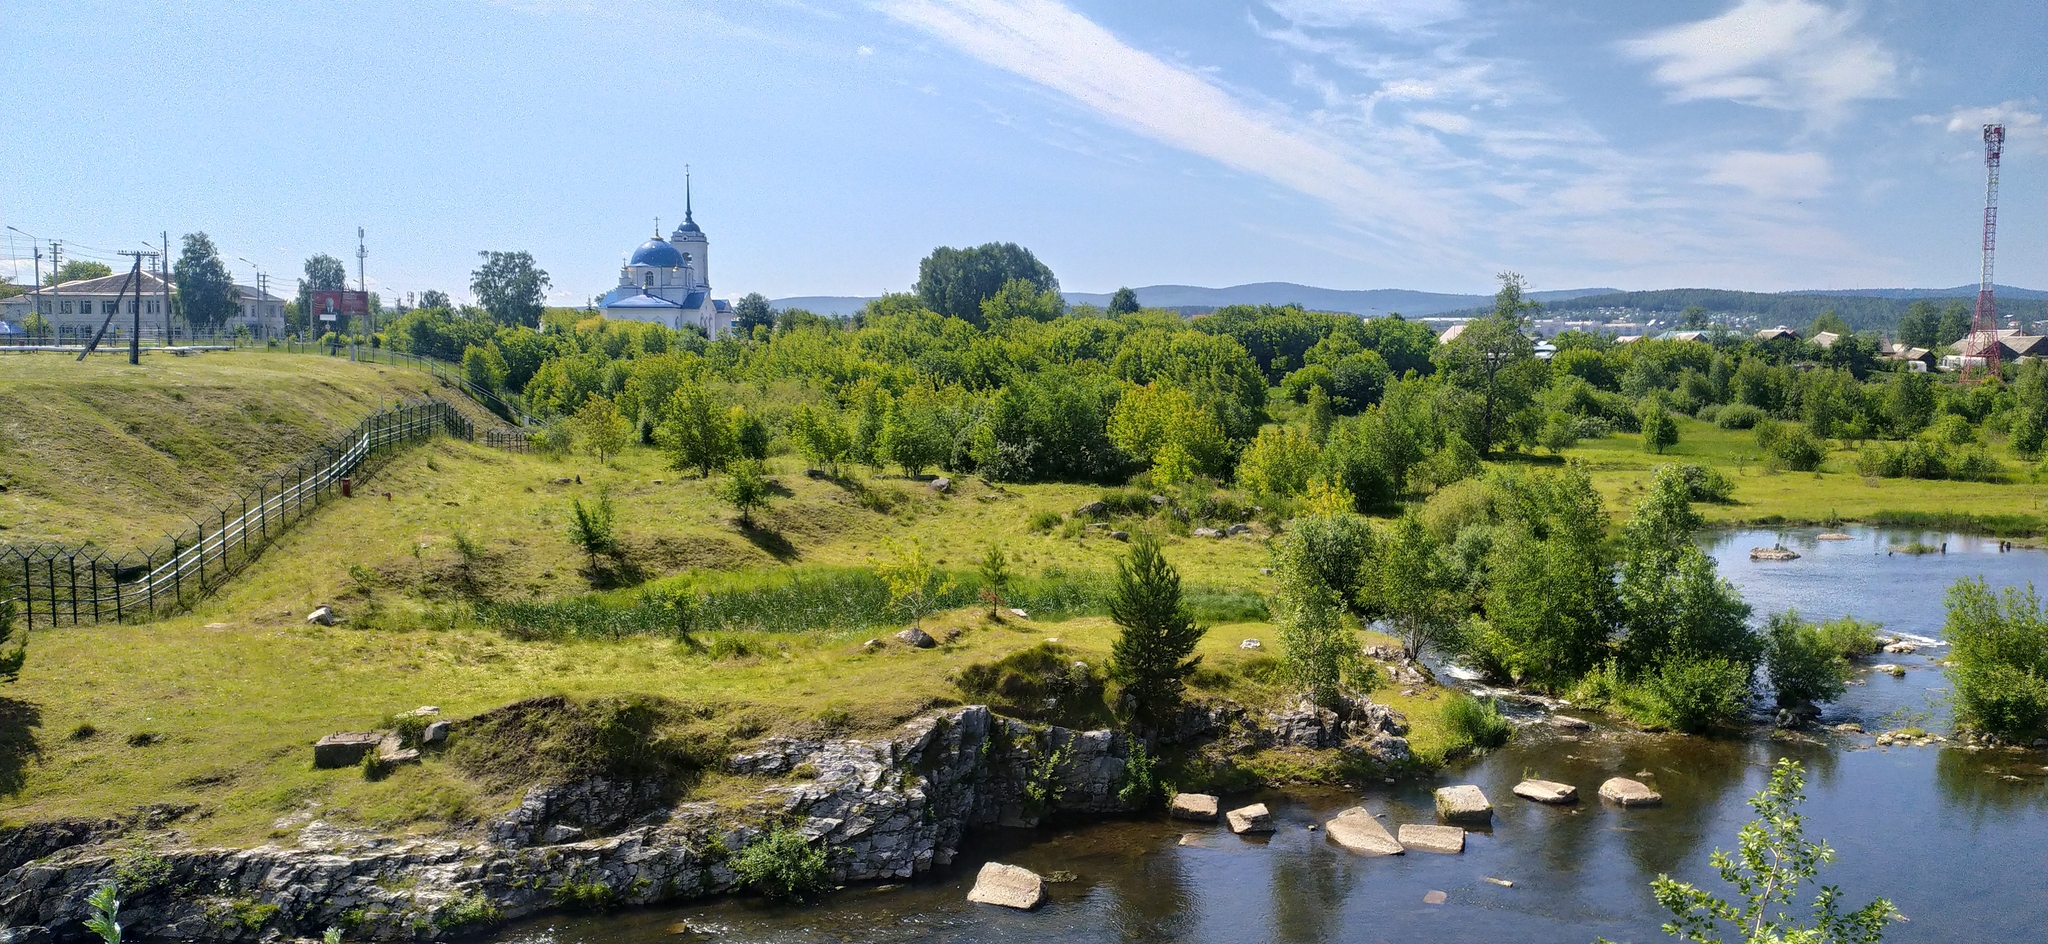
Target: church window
<point>648,279</point>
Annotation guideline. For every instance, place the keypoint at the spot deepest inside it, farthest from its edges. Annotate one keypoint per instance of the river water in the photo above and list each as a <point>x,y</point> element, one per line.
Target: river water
<point>1957,839</point>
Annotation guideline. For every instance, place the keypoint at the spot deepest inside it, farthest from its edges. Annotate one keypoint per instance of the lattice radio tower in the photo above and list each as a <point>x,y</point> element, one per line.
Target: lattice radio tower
<point>1984,327</point>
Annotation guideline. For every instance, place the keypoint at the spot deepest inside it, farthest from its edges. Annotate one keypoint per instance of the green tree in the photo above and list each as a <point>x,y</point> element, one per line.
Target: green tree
<point>1660,431</point>
<point>1773,861</point>
<point>1278,463</point>
<point>603,431</point>
<point>1920,325</point>
<point>1829,322</point>
<point>1999,659</point>
<point>746,489</point>
<point>995,577</point>
<point>821,436</point>
<point>590,526</point>
<point>1694,316</point>
<point>206,294</point>
<point>914,437</point>
<point>323,273</point>
<point>483,366</point>
<point>1804,666</point>
<point>37,327</point>
<point>751,311</point>
<point>750,436</point>
<point>1954,325</point>
<point>694,432</point>
<point>956,281</point>
<point>1560,432</point>
<point>1123,302</point>
<point>1021,299</point>
<point>1416,589</point>
<point>432,298</point>
<point>1154,650</point>
<point>1494,362</point>
<point>511,287</point>
<point>916,588</point>
<point>1157,416</point>
<point>1323,563</point>
<point>78,270</point>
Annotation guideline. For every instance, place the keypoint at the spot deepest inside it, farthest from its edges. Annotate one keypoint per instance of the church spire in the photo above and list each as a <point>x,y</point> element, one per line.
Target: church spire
<point>686,194</point>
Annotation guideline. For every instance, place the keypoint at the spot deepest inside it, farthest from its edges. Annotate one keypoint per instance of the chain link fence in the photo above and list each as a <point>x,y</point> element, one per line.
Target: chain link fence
<point>58,586</point>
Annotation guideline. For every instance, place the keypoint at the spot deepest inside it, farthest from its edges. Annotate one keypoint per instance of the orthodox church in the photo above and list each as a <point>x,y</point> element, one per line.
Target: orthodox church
<point>670,282</point>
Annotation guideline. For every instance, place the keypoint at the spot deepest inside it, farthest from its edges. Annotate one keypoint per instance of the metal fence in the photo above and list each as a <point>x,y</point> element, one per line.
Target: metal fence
<point>55,585</point>
<point>447,373</point>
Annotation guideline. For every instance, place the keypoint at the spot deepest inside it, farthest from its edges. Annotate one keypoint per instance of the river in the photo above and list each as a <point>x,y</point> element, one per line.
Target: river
<point>1957,845</point>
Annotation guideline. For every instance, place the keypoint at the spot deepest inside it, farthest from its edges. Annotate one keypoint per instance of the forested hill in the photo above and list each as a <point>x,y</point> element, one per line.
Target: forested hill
<point>1792,309</point>
<point>1195,299</point>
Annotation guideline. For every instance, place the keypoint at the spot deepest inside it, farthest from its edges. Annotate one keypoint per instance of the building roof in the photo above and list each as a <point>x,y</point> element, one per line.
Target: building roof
<point>2023,345</point>
<point>1825,339</point>
<point>105,285</point>
<point>1451,333</point>
<point>642,300</point>
<point>658,254</point>
<point>1684,335</point>
<point>1772,334</point>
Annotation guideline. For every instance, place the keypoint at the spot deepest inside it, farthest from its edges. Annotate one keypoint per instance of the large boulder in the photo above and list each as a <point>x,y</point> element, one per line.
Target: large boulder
<point>1206,533</point>
<point>1626,792</point>
<point>1009,886</point>
<point>1250,819</point>
<point>345,749</point>
<point>322,615</point>
<point>1091,510</point>
<point>914,636</point>
<point>1200,807</point>
<point>1547,791</point>
<point>1463,803</point>
<point>1305,725</point>
<point>1357,830</point>
<point>1449,840</point>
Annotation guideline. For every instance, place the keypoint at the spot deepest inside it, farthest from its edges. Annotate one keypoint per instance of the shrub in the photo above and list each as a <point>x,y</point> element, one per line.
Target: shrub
<point>471,910</point>
<point>1849,637</point>
<point>590,526</point>
<point>1999,655</point>
<point>1041,683</point>
<point>1706,484</point>
<point>1803,665</point>
<point>1692,695</point>
<point>1790,446</point>
<point>745,488</point>
<point>577,894</point>
<point>1137,787</point>
<point>1043,521</point>
<point>1737,416</point>
<point>1475,723</point>
<point>782,865</point>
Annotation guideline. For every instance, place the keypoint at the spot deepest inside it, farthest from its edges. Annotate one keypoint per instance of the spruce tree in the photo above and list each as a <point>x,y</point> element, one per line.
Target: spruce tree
<point>1154,654</point>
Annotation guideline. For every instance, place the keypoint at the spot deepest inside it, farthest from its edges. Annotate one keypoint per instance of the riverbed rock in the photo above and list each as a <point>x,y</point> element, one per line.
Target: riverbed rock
<point>1249,819</point>
<point>1834,536</point>
<point>1547,791</point>
<point>1357,830</point>
<point>345,749</point>
<point>1895,671</point>
<point>1463,803</point>
<point>1772,554</point>
<point>1902,648</point>
<point>1629,793</point>
<point>1200,807</point>
<point>1569,723</point>
<point>1010,886</point>
<point>1447,840</point>
<point>914,636</point>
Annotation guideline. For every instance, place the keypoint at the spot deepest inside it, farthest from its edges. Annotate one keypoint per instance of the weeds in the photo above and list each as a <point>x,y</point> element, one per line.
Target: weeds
<point>783,865</point>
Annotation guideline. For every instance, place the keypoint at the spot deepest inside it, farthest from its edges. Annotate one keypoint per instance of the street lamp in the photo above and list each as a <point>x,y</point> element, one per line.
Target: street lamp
<point>256,308</point>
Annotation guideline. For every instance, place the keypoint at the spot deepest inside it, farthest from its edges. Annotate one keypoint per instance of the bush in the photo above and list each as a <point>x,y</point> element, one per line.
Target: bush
<point>782,865</point>
<point>1802,662</point>
<point>1850,638</point>
<point>1999,660</point>
<point>1790,446</point>
<point>1475,723</point>
<point>590,526</point>
<point>1044,521</point>
<point>1692,695</point>
<point>1737,416</point>
<point>1042,683</point>
<point>1705,484</point>
<point>1138,787</point>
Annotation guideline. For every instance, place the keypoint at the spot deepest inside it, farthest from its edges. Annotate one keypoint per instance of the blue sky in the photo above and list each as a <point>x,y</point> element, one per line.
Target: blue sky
<point>1425,144</point>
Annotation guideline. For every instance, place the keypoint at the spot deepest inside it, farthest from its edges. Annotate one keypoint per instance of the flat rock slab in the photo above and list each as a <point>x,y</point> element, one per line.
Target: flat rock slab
<point>1009,886</point>
<point>1628,792</point>
<point>1200,807</point>
<point>1569,723</point>
<point>1357,830</point>
<point>1449,840</point>
<point>1547,791</point>
<point>1463,803</point>
<point>345,749</point>
<point>1250,819</point>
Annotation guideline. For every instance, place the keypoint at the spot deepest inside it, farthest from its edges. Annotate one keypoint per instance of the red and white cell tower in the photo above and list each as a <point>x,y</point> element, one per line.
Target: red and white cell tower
<point>1984,327</point>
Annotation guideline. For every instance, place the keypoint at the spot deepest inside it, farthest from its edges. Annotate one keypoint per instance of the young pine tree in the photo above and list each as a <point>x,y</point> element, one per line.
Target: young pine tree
<point>995,578</point>
<point>1154,654</point>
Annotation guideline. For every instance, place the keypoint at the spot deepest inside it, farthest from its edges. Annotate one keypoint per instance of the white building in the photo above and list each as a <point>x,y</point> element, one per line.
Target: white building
<point>76,309</point>
<point>670,282</point>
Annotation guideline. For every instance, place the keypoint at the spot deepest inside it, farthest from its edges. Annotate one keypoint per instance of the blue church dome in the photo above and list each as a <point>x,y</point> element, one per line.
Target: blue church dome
<point>656,253</point>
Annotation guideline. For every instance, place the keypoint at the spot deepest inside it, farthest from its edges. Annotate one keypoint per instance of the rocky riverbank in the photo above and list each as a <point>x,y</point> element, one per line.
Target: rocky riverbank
<point>883,809</point>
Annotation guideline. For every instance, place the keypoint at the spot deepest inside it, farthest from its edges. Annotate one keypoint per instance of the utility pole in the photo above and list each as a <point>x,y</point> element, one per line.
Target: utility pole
<point>134,346</point>
<point>163,278</point>
<point>362,283</point>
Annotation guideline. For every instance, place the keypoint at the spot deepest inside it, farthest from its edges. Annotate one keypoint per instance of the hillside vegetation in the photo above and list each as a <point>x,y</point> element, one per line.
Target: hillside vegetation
<point>103,452</point>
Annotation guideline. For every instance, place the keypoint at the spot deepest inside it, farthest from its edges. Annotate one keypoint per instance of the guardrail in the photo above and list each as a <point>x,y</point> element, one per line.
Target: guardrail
<point>56,585</point>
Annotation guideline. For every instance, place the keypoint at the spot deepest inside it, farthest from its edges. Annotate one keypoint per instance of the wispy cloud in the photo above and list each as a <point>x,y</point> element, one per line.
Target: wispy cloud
<point>1794,55</point>
<point>1771,175</point>
<point>1398,15</point>
<point>2023,125</point>
<point>1049,44</point>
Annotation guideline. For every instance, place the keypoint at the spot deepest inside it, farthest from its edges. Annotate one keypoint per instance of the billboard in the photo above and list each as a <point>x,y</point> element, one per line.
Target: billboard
<point>328,305</point>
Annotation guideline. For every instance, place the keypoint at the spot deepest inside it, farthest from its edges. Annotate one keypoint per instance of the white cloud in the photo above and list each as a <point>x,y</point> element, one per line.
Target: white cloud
<point>1397,15</point>
<point>864,50</point>
<point>2022,127</point>
<point>1047,43</point>
<point>1771,175</point>
<point>1794,55</point>
<point>1444,121</point>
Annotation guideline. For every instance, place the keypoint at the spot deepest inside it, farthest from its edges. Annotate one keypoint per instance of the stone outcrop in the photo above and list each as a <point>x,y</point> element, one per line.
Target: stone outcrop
<point>884,809</point>
<point>913,636</point>
<point>1547,791</point>
<point>1010,886</point>
<point>1463,803</point>
<point>1249,819</point>
<point>1625,792</point>
<point>1200,807</point>
<point>1448,840</point>
<point>345,749</point>
<point>1357,830</point>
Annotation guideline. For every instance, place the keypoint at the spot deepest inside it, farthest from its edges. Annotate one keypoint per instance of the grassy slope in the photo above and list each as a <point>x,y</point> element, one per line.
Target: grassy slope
<point>101,451</point>
<point>1620,469</point>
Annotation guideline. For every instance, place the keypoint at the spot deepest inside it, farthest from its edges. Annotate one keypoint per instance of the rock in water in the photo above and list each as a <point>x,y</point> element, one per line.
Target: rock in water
<point>1357,830</point>
<point>1772,554</point>
<point>1547,791</point>
<point>1449,840</point>
<point>1570,723</point>
<point>1463,803</point>
<point>1009,886</point>
<point>1195,806</point>
<point>1250,819</point>
<point>1628,792</point>
<point>1434,897</point>
<point>917,637</point>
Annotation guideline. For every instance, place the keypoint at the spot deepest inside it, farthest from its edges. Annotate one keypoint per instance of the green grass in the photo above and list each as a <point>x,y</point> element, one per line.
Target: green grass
<point>1836,494</point>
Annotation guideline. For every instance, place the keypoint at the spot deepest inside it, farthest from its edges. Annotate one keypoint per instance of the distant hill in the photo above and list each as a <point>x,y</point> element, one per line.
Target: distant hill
<point>1194,298</point>
<point>1862,309</point>
<point>1960,291</point>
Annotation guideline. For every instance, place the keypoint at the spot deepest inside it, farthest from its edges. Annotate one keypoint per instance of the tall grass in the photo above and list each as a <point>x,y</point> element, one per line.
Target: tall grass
<point>808,599</point>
